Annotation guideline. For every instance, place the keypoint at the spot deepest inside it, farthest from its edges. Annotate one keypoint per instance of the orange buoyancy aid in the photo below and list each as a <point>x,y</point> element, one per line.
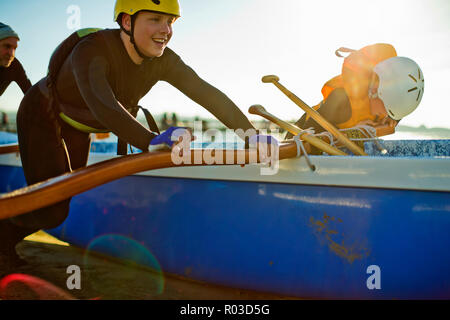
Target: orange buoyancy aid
<point>355,79</point>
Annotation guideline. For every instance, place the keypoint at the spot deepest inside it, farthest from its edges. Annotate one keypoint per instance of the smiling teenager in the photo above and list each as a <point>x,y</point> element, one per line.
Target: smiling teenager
<point>95,81</point>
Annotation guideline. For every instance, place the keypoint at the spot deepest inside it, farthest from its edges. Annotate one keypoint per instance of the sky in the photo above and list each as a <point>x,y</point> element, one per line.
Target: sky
<point>232,44</point>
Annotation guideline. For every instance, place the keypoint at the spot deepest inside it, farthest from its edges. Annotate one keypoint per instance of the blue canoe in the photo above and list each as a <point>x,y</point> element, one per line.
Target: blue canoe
<point>372,227</point>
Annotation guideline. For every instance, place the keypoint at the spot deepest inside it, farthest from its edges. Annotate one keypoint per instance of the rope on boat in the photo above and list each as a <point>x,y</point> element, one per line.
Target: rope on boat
<point>369,134</point>
<point>301,147</point>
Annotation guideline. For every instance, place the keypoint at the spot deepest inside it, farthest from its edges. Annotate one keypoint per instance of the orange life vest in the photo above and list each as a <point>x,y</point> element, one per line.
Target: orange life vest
<point>355,79</point>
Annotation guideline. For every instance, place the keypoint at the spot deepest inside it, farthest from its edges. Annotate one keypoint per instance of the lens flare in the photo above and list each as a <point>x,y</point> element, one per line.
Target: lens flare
<point>130,265</point>
<point>25,287</point>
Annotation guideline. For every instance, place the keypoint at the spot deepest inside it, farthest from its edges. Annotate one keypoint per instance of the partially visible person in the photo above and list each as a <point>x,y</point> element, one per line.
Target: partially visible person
<point>10,70</point>
<point>10,67</point>
<point>376,88</point>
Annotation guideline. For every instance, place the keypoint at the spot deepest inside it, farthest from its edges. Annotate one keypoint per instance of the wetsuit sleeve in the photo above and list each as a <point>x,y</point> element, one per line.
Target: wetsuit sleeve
<point>21,77</point>
<point>335,109</point>
<point>187,81</point>
<point>14,72</point>
<point>4,83</point>
<point>90,71</point>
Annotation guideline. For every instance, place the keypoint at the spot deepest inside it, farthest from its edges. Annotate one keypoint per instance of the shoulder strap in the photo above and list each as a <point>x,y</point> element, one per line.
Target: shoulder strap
<point>59,56</point>
<point>63,51</point>
<point>150,120</point>
<point>341,50</point>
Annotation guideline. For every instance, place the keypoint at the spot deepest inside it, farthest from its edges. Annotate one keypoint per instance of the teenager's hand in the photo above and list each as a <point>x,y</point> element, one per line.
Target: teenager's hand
<point>260,138</point>
<point>171,136</point>
<point>385,127</point>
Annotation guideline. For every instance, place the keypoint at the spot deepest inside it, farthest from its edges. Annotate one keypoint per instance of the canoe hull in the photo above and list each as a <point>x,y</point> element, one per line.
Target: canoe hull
<point>295,240</point>
<point>356,227</point>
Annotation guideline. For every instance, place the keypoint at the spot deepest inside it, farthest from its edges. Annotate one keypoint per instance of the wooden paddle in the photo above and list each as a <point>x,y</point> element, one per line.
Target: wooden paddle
<point>315,115</point>
<point>9,148</point>
<point>322,145</point>
<point>67,185</point>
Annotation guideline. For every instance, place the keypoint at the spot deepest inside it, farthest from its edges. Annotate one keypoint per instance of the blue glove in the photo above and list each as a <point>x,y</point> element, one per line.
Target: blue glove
<point>263,139</point>
<point>169,137</point>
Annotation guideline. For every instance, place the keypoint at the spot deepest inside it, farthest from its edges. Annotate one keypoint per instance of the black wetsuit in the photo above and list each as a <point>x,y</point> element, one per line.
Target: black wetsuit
<point>99,80</point>
<point>10,233</point>
<point>88,81</point>
<point>14,72</point>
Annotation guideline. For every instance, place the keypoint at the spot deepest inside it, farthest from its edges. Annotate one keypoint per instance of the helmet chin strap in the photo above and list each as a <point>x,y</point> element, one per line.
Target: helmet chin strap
<point>132,40</point>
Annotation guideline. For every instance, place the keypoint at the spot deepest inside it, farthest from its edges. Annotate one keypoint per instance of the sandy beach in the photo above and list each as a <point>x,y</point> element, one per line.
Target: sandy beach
<point>105,279</point>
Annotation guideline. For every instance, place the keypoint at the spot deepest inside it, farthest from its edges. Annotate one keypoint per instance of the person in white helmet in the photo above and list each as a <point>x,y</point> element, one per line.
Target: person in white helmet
<point>376,88</point>
<point>398,83</point>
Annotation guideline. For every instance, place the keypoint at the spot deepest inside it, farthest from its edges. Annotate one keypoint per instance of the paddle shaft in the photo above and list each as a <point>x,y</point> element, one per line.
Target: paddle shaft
<point>320,120</point>
<point>322,145</point>
<point>57,189</point>
<point>9,148</point>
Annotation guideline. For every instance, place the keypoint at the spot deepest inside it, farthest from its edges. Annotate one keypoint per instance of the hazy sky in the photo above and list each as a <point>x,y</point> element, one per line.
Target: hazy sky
<point>232,44</point>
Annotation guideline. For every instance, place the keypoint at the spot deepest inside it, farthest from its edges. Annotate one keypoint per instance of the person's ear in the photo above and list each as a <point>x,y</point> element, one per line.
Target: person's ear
<point>126,22</point>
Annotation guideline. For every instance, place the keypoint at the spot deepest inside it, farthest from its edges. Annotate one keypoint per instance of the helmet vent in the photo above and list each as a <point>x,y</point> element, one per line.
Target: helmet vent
<point>156,2</point>
<point>415,80</point>
<point>418,96</point>
<point>412,77</point>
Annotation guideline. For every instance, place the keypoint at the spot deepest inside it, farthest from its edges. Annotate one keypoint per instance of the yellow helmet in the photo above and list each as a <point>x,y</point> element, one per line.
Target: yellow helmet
<point>133,6</point>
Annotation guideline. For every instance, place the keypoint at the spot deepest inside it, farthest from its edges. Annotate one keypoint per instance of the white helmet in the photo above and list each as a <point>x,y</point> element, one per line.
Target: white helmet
<point>401,86</point>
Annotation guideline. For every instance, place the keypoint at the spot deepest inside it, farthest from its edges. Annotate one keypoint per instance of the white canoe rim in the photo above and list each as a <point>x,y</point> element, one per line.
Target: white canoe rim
<point>408,173</point>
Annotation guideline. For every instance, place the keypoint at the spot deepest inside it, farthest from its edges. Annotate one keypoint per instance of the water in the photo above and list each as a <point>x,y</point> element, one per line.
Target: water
<point>419,133</point>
